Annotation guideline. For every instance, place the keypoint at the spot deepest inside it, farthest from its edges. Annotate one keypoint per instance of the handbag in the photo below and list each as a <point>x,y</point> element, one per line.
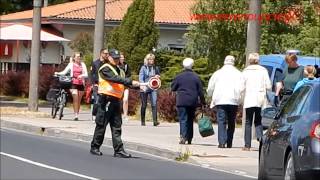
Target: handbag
<point>205,126</point>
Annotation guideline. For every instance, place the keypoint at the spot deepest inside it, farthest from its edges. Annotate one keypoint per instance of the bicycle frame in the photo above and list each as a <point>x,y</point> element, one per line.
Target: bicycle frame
<point>59,102</point>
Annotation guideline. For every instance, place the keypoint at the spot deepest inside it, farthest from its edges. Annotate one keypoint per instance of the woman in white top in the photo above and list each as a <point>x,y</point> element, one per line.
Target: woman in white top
<point>78,71</point>
<point>256,82</point>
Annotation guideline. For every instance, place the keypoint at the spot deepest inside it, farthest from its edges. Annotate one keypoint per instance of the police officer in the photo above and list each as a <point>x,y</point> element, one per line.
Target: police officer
<point>111,87</point>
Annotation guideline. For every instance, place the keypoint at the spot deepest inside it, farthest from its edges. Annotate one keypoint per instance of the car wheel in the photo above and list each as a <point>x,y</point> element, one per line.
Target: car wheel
<point>289,173</point>
<point>262,173</point>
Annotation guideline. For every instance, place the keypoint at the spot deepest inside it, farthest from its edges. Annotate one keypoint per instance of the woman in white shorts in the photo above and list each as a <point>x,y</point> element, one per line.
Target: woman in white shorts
<point>78,71</point>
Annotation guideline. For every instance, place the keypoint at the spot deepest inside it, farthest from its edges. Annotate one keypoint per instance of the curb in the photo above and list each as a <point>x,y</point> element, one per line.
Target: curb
<point>21,104</point>
<point>53,132</point>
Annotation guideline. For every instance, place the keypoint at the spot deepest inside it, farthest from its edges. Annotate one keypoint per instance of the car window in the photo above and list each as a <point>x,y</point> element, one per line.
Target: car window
<point>269,69</point>
<point>278,76</point>
<point>301,101</point>
<point>292,102</point>
<point>312,104</point>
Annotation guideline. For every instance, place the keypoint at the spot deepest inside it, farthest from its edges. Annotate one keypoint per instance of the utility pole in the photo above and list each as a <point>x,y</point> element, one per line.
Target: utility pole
<point>35,56</point>
<point>254,28</point>
<point>99,28</point>
<point>253,41</point>
<point>45,3</point>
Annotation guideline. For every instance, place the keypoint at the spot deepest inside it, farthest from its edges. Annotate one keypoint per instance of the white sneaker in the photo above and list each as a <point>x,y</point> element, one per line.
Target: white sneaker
<point>125,119</point>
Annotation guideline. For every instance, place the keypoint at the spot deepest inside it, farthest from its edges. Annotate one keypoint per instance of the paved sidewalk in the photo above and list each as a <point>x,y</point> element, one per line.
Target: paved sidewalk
<point>161,141</point>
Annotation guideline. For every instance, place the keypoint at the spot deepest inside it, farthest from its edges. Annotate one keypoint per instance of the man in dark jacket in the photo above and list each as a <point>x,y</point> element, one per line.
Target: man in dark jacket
<point>189,89</point>
<point>111,87</point>
<point>95,66</point>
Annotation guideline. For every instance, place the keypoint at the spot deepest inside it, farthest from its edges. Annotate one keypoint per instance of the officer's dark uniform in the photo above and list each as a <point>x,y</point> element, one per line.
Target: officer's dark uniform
<point>109,111</point>
<point>95,66</point>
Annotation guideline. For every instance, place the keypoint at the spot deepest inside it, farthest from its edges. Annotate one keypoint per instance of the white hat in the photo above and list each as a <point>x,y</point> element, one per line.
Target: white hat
<point>187,63</point>
<point>229,60</point>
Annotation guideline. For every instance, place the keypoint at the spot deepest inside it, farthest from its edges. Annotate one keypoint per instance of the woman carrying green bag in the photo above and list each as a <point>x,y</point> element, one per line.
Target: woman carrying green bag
<point>188,87</point>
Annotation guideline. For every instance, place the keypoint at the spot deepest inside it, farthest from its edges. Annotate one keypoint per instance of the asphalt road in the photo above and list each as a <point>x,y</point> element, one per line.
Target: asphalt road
<point>26,156</point>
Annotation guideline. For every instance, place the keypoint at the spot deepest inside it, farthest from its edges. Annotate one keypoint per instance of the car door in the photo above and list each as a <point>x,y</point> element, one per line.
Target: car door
<point>301,140</point>
<point>280,132</point>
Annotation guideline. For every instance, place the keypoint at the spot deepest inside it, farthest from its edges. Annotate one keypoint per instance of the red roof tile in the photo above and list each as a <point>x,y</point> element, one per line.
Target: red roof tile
<point>166,11</point>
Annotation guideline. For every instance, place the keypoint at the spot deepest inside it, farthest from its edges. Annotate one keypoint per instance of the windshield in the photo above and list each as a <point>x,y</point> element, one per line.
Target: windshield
<point>269,69</point>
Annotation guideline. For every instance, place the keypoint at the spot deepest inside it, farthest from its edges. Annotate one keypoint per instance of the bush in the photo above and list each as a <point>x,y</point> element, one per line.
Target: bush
<point>167,106</point>
<point>15,83</point>
<point>24,85</point>
<point>46,73</point>
<point>83,43</point>
<point>133,101</point>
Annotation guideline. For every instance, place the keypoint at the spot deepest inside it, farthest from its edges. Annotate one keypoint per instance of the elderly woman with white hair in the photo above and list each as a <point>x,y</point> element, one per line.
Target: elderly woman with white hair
<point>147,71</point>
<point>256,83</point>
<point>188,86</point>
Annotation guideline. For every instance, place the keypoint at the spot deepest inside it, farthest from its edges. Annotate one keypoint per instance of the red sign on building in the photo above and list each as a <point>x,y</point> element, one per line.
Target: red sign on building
<point>5,49</point>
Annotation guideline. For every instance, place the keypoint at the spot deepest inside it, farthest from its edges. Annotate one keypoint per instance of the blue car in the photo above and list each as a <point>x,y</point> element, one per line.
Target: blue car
<point>290,149</point>
<point>275,64</point>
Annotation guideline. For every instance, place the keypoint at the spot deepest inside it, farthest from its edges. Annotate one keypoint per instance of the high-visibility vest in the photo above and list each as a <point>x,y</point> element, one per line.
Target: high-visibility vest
<point>111,88</point>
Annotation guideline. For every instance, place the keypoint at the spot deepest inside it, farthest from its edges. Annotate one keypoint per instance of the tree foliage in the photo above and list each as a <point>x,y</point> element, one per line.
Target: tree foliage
<point>137,34</point>
<point>217,38</point>
<point>11,6</point>
<point>83,43</point>
<point>301,32</point>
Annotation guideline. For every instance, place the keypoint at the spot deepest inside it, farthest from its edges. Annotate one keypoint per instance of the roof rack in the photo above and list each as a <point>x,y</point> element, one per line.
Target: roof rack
<point>293,51</point>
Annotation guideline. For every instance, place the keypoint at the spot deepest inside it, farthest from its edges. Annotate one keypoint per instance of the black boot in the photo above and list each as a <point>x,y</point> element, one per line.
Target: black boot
<point>154,116</point>
<point>122,154</point>
<point>95,151</point>
<point>143,117</point>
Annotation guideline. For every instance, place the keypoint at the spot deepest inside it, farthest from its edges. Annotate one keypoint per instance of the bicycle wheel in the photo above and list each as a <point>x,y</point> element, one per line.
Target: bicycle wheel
<point>61,105</point>
<point>61,111</point>
<point>54,109</point>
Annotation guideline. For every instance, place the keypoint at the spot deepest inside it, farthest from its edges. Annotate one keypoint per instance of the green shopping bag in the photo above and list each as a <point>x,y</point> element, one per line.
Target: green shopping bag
<point>205,126</point>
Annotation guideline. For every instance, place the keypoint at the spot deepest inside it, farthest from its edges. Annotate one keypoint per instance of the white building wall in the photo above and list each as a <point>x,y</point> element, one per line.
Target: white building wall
<point>49,55</point>
<point>70,32</point>
<point>166,36</point>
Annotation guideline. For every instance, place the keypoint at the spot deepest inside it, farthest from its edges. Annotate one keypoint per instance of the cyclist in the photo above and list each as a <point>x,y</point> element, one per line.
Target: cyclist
<point>78,71</point>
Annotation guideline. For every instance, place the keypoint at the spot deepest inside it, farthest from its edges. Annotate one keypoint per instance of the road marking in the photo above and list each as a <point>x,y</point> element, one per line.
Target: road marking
<point>139,152</point>
<point>47,166</point>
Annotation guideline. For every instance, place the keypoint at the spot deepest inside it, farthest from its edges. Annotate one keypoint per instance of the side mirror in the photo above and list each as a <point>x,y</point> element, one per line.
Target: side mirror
<point>269,112</point>
<point>268,116</point>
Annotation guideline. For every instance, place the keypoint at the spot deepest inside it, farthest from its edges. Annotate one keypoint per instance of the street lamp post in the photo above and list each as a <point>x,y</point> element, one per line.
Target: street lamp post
<point>35,57</point>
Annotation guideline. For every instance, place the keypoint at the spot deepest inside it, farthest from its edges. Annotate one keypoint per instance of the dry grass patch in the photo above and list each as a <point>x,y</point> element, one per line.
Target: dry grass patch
<point>14,111</point>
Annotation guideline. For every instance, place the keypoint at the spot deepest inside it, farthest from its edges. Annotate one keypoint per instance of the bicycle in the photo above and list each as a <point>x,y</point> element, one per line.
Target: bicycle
<point>59,99</point>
